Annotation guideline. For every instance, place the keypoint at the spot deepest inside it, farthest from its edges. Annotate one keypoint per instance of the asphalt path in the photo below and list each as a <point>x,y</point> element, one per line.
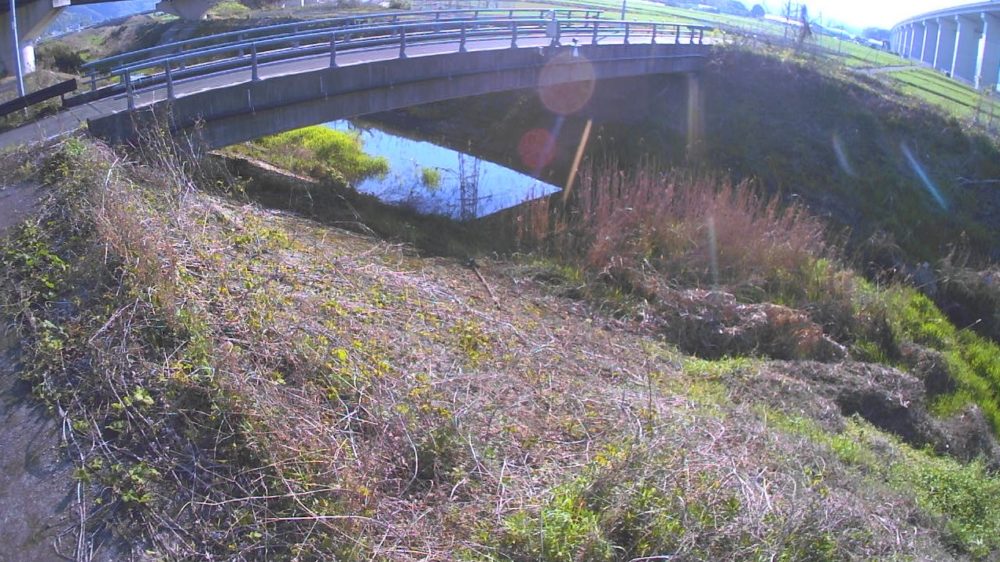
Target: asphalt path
<point>71,119</point>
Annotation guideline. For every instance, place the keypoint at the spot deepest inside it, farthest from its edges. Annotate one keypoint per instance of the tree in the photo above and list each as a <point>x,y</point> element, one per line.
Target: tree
<point>757,11</point>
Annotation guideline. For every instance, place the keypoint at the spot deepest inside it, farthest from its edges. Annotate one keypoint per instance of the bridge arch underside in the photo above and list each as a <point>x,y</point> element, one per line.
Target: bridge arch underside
<point>247,111</point>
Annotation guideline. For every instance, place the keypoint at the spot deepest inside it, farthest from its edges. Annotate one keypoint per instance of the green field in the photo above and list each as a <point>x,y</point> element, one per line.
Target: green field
<point>952,96</point>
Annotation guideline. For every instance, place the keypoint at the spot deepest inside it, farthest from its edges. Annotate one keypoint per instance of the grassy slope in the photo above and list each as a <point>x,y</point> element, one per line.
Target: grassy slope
<point>340,395</point>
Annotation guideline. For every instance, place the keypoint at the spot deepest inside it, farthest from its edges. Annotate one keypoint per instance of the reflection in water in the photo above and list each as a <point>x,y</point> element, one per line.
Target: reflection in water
<point>469,187</point>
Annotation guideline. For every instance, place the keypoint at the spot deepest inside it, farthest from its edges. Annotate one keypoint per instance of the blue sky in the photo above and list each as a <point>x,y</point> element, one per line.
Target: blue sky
<point>864,13</point>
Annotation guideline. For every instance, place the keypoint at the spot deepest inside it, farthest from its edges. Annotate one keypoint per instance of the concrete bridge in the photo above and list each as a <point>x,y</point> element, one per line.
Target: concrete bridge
<point>963,41</point>
<point>245,90</point>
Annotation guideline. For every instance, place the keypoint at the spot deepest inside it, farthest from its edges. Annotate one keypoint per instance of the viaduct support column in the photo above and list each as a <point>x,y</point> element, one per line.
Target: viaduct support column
<point>917,43</point>
<point>32,19</point>
<point>966,49</point>
<point>931,34</point>
<point>988,62</point>
<point>947,34</point>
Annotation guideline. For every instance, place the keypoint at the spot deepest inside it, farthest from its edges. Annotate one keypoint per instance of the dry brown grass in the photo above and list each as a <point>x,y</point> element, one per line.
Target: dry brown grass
<point>696,230</point>
<point>258,386</point>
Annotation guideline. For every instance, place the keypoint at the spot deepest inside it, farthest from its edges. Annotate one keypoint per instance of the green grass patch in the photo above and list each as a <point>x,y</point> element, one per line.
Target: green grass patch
<point>950,95</point>
<point>319,152</point>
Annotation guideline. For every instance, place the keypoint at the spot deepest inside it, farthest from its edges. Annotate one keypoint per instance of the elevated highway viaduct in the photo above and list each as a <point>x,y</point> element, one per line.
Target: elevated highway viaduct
<point>963,41</point>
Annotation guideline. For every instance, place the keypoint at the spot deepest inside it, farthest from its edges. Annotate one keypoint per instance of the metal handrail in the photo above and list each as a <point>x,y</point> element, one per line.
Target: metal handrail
<point>312,43</point>
<point>324,25</point>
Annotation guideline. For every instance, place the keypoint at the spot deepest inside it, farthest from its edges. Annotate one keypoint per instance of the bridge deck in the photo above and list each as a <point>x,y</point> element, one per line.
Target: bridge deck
<point>71,119</point>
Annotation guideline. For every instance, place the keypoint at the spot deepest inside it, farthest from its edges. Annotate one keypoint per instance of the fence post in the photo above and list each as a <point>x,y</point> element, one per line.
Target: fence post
<point>461,45</point>
<point>333,50</point>
<point>170,82</point>
<point>254,75</point>
<point>626,33</point>
<point>402,43</point>
<point>593,38</point>
<point>513,35</point>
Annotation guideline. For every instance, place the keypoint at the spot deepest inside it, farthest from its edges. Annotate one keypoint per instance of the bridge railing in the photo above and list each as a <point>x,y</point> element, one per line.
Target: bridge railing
<point>108,64</point>
<point>253,55</point>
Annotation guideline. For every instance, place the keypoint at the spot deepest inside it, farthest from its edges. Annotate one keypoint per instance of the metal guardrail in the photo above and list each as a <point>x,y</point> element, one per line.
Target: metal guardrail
<point>255,53</point>
<point>39,96</point>
<point>293,28</point>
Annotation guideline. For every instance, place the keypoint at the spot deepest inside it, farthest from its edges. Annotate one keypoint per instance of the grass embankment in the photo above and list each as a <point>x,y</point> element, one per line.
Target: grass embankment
<point>243,383</point>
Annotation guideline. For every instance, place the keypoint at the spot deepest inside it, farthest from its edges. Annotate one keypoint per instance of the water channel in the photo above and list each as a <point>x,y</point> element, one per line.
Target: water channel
<point>466,186</point>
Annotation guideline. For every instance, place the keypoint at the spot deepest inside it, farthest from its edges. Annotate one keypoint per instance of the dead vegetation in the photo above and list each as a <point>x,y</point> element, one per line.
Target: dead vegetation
<point>243,383</point>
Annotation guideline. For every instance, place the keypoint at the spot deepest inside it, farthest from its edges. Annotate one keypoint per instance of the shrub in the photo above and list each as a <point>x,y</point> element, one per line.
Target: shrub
<point>698,230</point>
<point>61,57</point>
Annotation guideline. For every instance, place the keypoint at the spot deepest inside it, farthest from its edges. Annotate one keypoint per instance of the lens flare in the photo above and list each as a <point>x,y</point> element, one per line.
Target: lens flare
<point>924,178</point>
<point>536,148</point>
<point>841,152</point>
<point>566,83</point>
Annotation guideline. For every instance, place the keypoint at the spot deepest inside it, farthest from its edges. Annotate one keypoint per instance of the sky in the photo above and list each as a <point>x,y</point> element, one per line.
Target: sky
<point>865,13</point>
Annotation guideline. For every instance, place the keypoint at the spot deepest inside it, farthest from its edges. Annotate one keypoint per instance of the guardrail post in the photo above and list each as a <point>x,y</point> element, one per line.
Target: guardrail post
<point>691,39</point>
<point>402,43</point>
<point>254,74</point>
<point>239,38</point>
<point>626,33</point>
<point>129,92</point>
<point>333,50</point>
<point>593,38</point>
<point>677,35</point>
<point>93,81</point>
<point>170,82</point>
<point>557,32</point>
<point>701,36</point>
<point>461,44</point>
<point>654,34</point>
<point>513,35</point>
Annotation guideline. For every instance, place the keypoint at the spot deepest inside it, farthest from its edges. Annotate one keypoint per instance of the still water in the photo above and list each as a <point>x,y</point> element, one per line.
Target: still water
<point>488,187</point>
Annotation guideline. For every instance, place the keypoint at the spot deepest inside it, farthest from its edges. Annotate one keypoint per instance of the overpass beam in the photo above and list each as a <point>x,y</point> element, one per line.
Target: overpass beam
<point>192,10</point>
<point>931,33</point>
<point>966,49</point>
<point>32,19</point>
<point>988,61</point>
<point>944,55</point>
<point>917,43</point>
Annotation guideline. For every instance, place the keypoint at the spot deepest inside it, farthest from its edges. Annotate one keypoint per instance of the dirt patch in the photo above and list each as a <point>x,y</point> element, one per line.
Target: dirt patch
<point>889,399</point>
<point>16,202</point>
